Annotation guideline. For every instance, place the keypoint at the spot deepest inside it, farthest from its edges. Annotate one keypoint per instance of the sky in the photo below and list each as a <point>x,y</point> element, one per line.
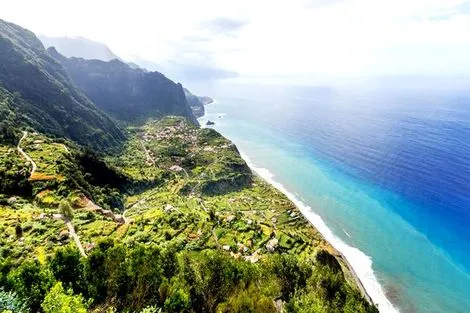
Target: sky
<point>300,38</point>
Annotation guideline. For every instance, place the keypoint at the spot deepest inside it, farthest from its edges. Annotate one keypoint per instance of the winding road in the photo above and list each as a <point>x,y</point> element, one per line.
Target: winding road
<point>20,150</point>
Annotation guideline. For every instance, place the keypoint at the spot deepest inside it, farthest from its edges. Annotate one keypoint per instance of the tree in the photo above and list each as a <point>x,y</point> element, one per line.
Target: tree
<point>247,300</point>
<point>68,268</point>
<point>178,301</point>
<point>150,309</point>
<point>291,274</point>
<point>66,209</point>
<point>59,300</point>
<point>31,281</point>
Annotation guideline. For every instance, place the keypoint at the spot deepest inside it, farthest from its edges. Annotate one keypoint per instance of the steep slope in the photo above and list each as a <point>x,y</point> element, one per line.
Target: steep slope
<point>79,47</point>
<point>84,48</point>
<point>36,92</point>
<point>128,94</point>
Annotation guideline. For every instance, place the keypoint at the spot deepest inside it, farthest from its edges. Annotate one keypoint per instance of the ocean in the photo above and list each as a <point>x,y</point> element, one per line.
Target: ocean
<point>381,167</point>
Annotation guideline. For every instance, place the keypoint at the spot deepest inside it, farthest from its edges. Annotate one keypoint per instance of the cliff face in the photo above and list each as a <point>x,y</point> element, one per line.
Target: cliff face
<point>127,94</point>
<point>36,91</point>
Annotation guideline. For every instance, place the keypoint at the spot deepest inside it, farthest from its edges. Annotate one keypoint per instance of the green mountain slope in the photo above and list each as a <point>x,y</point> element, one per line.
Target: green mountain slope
<point>128,94</point>
<point>80,47</point>
<point>36,92</point>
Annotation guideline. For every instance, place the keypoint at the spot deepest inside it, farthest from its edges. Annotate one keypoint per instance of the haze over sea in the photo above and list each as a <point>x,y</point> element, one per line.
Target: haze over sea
<point>384,163</point>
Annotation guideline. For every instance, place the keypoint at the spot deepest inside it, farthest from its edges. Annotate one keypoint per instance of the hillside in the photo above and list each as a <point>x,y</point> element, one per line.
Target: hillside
<point>79,47</point>
<point>36,92</point>
<point>181,225</point>
<point>127,94</point>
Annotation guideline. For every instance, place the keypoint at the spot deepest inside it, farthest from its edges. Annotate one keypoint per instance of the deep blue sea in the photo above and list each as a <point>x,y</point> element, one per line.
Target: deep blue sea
<point>381,167</point>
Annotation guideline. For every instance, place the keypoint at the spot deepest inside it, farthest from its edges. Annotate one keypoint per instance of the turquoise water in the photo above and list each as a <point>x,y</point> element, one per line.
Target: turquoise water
<point>350,157</point>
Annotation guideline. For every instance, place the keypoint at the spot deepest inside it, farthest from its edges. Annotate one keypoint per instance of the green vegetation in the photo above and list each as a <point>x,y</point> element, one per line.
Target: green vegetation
<point>58,300</point>
<point>62,168</point>
<point>200,232</point>
<point>14,172</point>
<point>10,302</point>
<point>132,278</point>
<point>36,93</point>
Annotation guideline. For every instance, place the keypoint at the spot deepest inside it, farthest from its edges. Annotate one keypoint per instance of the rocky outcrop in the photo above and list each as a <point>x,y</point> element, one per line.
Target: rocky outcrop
<point>206,100</point>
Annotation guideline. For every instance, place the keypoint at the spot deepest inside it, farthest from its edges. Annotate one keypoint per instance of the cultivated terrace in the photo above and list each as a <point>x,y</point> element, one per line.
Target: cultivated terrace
<point>174,222</point>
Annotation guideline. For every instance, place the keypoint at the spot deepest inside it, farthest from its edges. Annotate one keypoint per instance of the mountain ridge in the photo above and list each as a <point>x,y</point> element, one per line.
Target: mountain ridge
<point>37,92</point>
<point>125,93</point>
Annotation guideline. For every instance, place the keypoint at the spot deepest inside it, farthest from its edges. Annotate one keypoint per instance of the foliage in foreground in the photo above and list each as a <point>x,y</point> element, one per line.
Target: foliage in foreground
<point>151,278</point>
<point>58,300</point>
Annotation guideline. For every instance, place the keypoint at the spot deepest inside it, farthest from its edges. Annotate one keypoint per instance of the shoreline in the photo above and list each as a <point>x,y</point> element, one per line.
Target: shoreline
<point>353,273</point>
<point>358,263</point>
<point>356,278</point>
<point>368,285</point>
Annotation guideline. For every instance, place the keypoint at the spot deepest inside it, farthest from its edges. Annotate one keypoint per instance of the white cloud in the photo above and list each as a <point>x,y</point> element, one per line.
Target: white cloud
<point>305,37</point>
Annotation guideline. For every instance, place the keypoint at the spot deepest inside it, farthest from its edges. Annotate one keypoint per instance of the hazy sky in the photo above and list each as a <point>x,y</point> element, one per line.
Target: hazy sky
<point>269,37</point>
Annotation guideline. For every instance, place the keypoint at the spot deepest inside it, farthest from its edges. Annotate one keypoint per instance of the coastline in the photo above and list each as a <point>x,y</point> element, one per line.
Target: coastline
<point>344,260</point>
<point>352,257</point>
<point>305,154</point>
<point>358,263</point>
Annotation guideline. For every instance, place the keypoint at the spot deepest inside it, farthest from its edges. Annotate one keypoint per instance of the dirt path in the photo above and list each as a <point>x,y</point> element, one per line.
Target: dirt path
<point>149,158</point>
<point>75,236</point>
<point>20,150</point>
<point>215,237</point>
<point>71,229</point>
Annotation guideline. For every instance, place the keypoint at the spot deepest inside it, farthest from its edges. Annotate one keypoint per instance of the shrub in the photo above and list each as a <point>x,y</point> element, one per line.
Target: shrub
<point>59,300</point>
<point>31,281</point>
